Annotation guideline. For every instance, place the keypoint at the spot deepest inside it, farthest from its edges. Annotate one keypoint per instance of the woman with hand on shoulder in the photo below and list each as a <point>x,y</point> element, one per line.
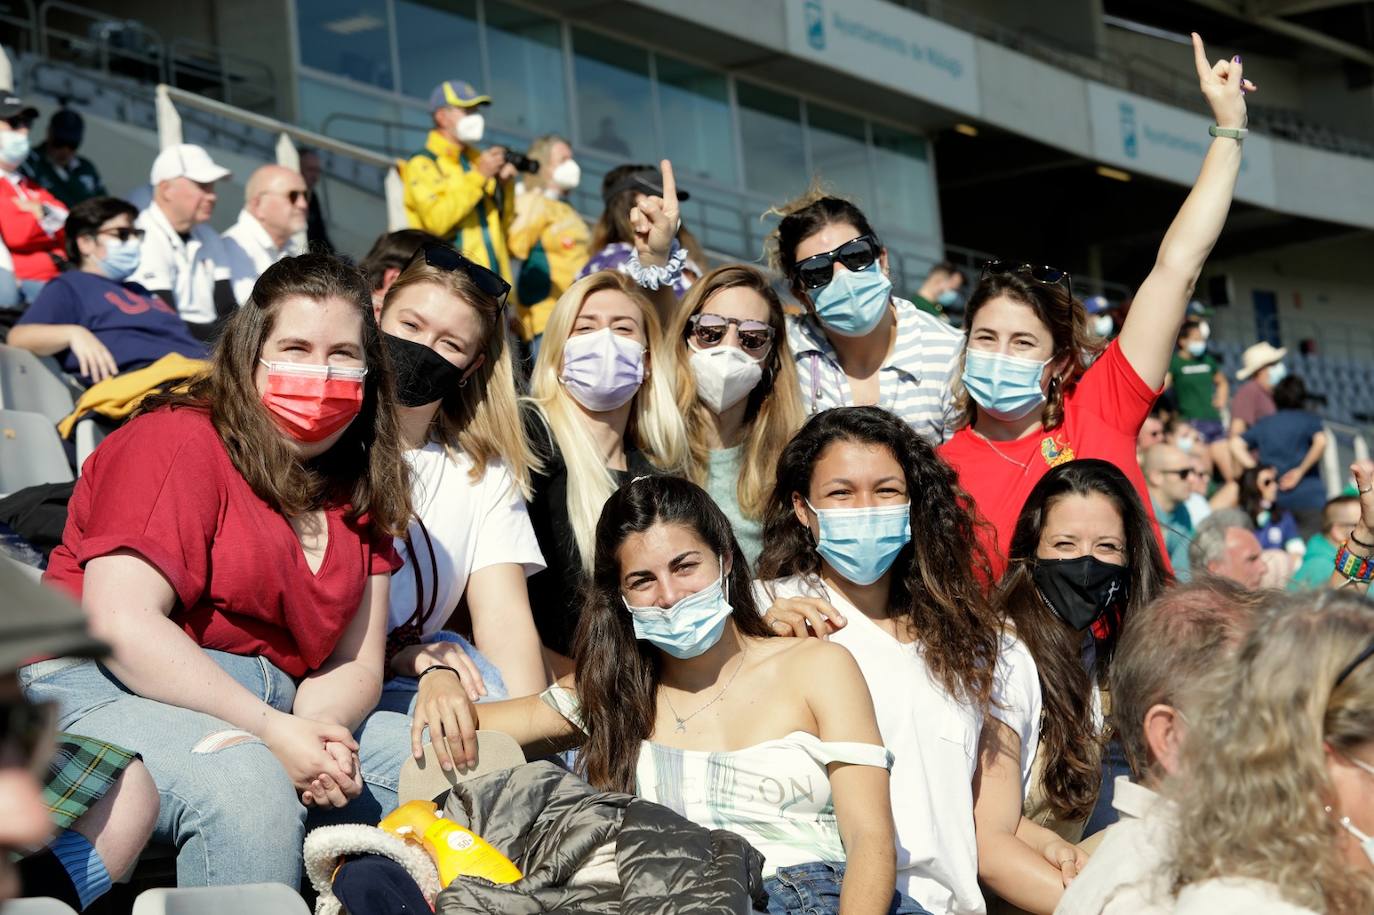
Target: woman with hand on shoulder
<point>737,390</point>
<point>600,414</point>
<point>853,486</point>
<point>233,546</point>
<point>1083,557</point>
<point>665,702</point>
<point>1031,401</point>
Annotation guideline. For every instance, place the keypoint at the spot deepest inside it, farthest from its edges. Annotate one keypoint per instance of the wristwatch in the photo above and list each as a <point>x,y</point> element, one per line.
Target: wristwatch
<point>1234,133</point>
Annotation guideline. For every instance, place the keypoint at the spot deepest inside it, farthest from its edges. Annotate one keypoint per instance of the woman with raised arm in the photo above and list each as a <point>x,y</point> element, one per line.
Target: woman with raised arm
<point>1031,395</point>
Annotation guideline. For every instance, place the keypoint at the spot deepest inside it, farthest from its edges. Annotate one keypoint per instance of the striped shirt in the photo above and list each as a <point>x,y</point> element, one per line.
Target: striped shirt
<point>915,382</point>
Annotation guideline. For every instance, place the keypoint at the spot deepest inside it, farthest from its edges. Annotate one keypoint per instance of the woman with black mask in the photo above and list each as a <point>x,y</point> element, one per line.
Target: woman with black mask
<point>1083,556</point>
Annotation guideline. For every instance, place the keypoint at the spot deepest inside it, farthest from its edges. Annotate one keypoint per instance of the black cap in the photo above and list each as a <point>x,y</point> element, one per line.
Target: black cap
<point>38,622</point>
<point>646,181</point>
<point>66,128</point>
<point>12,106</point>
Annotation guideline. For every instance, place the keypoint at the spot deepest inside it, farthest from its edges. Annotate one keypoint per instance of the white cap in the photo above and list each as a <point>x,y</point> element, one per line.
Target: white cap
<point>186,160</point>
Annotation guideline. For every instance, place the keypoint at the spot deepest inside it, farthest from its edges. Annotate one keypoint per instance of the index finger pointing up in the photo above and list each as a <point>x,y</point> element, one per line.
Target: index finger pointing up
<point>669,186</point>
<point>1204,69</point>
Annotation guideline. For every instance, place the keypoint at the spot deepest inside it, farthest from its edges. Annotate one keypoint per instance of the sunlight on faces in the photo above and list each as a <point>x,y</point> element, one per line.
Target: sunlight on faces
<point>851,475</point>
<point>1012,329</point>
<point>740,303</point>
<point>828,239</point>
<point>188,201</point>
<point>1083,525</point>
<point>1243,561</point>
<point>428,314</point>
<point>1343,518</point>
<point>664,564</point>
<point>273,207</point>
<point>328,332</point>
<point>614,309</point>
<point>559,153</point>
<point>93,247</point>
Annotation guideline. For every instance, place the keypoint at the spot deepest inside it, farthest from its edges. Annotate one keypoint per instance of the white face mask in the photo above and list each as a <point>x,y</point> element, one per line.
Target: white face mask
<point>1103,325</point>
<point>567,175</point>
<point>470,128</point>
<point>725,376</point>
<point>14,148</point>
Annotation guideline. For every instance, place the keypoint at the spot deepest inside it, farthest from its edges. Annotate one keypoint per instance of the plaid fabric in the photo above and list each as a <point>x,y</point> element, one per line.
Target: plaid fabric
<point>80,773</point>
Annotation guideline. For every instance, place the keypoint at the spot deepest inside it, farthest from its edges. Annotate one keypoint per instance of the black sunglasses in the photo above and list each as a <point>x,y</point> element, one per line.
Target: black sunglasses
<point>446,258</point>
<point>1050,276</point>
<point>123,233</point>
<point>819,269</point>
<point>710,329</point>
<point>27,730</point>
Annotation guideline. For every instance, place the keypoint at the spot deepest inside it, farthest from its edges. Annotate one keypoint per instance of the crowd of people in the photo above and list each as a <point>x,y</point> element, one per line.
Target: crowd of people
<point>975,609</point>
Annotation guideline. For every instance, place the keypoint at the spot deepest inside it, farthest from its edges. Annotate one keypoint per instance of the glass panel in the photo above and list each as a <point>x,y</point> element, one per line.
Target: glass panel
<point>907,203</point>
<point>839,153</point>
<point>614,99</point>
<point>353,116</point>
<point>437,40</point>
<point>527,87</point>
<point>349,38</point>
<point>695,113</point>
<point>771,134</point>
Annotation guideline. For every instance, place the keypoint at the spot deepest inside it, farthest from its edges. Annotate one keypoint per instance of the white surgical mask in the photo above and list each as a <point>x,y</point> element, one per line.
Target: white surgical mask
<point>725,375</point>
<point>471,128</point>
<point>14,148</point>
<point>567,175</point>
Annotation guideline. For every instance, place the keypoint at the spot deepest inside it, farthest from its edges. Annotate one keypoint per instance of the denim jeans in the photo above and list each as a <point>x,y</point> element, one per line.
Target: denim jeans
<point>814,889</point>
<point>228,806</point>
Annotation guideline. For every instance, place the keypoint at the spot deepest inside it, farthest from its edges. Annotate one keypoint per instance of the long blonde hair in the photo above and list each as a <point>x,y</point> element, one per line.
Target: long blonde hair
<point>1254,790</point>
<point>481,417</point>
<point>655,426</point>
<point>774,412</point>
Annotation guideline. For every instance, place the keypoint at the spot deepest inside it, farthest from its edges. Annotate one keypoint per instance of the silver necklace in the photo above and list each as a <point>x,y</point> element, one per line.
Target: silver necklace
<point>681,727</point>
<point>1025,468</point>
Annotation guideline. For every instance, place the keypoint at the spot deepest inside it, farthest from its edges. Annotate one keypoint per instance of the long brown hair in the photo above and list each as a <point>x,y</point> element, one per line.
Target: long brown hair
<point>937,577</point>
<point>480,417</point>
<point>774,411</point>
<point>364,469</point>
<point>617,674</point>
<point>1075,346</point>
<point>1070,740</point>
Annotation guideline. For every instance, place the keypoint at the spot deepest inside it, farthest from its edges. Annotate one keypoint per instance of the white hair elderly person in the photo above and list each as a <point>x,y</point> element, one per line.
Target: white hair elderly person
<point>1225,545</point>
<point>271,225</point>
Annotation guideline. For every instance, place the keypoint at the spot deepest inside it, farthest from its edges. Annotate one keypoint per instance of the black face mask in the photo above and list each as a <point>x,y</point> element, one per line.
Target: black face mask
<point>422,375</point>
<point>1080,590</point>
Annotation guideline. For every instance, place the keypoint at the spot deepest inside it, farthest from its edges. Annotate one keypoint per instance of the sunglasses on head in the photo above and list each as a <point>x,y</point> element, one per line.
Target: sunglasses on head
<point>710,329</point>
<point>819,269</point>
<point>1050,276</point>
<point>26,734</point>
<point>123,233</point>
<point>445,258</point>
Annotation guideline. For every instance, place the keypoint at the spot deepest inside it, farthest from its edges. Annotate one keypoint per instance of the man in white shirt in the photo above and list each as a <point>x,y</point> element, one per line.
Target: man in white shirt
<point>1166,652</point>
<point>275,209</point>
<point>183,260</point>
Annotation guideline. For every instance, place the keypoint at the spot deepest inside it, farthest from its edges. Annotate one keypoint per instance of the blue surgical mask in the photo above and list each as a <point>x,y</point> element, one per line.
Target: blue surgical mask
<point>14,148</point>
<point>1006,387</point>
<point>862,543</point>
<point>1197,348</point>
<point>121,259</point>
<point>948,297</point>
<point>688,628</point>
<point>1277,372</point>
<point>852,303</point>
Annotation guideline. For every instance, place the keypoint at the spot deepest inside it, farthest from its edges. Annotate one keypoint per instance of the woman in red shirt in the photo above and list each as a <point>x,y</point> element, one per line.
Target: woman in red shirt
<point>1030,402</point>
<point>31,218</point>
<point>233,545</point>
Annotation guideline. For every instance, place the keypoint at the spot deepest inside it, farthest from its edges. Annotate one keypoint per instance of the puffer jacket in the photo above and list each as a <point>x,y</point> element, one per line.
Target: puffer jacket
<point>550,823</point>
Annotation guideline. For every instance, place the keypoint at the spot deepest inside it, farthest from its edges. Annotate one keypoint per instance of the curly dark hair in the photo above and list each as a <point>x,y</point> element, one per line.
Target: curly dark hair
<point>1070,741</point>
<point>937,579</point>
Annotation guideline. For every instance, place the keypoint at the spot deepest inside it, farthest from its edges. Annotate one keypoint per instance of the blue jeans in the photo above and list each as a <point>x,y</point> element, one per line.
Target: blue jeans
<point>231,811</point>
<point>814,889</point>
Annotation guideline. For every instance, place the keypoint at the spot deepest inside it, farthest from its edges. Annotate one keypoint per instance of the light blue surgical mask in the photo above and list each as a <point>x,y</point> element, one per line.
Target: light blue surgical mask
<point>862,543</point>
<point>948,297</point>
<point>1197,348</point>
<point>121,259</point>
<point>1006,387</point>
<point>852,303</point>
<point>688,628</point>
<point>14,148</point>
<point>1277,372</point>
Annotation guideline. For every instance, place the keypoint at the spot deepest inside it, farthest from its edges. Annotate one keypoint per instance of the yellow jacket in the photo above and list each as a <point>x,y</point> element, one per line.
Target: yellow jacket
<point>447,196</point>
<point>118,397</point>
<point>555,243</point>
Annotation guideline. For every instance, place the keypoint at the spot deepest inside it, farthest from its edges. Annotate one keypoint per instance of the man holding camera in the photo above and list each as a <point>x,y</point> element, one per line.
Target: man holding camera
<point>453,190</point>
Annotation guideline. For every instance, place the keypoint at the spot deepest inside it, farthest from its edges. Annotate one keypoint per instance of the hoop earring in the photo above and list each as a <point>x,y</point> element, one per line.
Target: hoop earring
<point>463,382</point>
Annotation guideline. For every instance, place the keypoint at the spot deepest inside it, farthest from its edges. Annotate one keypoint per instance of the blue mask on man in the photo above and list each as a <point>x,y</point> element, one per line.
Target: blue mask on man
<point>1007,387</point>
<point>852,303</point>
<point>688,628</point>
<point>948,298</point>
<point>862,543</point>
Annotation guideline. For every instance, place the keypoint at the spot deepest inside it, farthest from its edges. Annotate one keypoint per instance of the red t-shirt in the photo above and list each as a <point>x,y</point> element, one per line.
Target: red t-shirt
<point>1103,414</point>
<point>164,487</point>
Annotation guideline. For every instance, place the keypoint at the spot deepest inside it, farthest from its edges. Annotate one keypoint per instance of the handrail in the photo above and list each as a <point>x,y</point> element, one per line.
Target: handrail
<point>265,86</point>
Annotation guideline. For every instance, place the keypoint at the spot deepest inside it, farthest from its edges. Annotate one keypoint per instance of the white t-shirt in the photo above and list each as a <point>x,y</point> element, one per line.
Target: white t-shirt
<point>471,526</point>
<point>250,252</point>
<point>934,742</point>
<point>188,267</point>
<point>1017,700</point>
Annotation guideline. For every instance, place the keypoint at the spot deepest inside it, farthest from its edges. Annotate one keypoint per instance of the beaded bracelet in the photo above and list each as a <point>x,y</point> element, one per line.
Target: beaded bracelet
<point>654,277</point>
<point>1354,568</point>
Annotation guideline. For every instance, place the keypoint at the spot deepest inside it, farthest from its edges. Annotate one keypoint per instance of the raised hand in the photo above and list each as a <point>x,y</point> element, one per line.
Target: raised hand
<point>655,221</point>
<point>1223,85</point>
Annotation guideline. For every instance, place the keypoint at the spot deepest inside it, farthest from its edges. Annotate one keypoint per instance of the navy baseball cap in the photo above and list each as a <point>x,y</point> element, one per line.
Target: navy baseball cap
<point>646,181</point>
<point>457,94</point>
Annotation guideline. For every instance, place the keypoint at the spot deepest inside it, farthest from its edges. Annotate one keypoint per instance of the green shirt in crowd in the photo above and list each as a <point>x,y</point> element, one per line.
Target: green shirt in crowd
<point>1194,385</point>
<point>75,182</point>
<point>722,480</point>
<point>1317,564</point>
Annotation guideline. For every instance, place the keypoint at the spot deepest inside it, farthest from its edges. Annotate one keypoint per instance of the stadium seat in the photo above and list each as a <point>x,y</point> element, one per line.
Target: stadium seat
<point>27,383</point>
<point>40,906</point>
<point>426,779</point>
<point>30,451</point>
<point>257,898</point>
<point>88,434</point>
